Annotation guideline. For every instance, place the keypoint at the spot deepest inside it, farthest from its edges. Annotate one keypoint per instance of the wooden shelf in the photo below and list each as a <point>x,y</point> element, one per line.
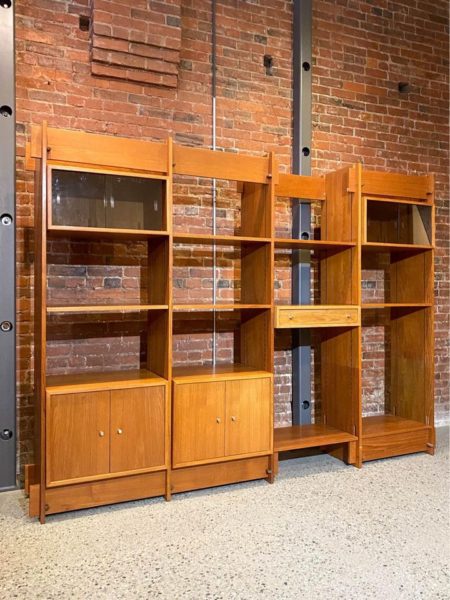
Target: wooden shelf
<point>313,245</point>
<point>380,425</point>
<point>102,308</point>
<point>395,305</point>
<point>105,380</point>
<point>98,232</point>
<point>229,306</point>
<point>222,240</point>
<point>297,437</point>
<point>216,372</point>
<point>392,248</point>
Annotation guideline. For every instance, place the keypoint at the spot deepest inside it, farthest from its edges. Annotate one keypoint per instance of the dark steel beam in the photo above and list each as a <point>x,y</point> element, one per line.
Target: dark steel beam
<point>7,249</point>
<point>301,224</point>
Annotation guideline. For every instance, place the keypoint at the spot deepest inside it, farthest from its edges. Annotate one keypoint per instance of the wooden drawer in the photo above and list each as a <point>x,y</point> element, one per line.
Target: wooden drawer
<point>397,444</point>
<point>316,316</point>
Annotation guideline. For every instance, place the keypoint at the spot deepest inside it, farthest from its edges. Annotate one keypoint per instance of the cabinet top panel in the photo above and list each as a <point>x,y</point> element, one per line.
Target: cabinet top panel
<point>219,372</point>
<point>61,384</point>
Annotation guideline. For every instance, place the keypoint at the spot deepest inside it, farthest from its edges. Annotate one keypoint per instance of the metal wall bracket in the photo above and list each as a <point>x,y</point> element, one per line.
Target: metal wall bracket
<point>7,249</point>
<point>301,224</point>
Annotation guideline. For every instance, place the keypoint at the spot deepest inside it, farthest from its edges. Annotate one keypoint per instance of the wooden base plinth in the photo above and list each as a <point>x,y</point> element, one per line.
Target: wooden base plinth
<point>205,476</point>
<point>98,493</point>
<point>148,485</point>
<point>387,436</point>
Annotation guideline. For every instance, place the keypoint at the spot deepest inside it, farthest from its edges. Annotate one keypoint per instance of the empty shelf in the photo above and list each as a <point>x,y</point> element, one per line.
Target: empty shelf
<point>101,308</point>
<point>386,247</point>
<point>389,425</point>
<point>216,372</point>
<point>229,306</point>
<point>220,240</point>
<point>297,437</point>
<point>396,305</point>
<point>312,245</point>
<point>104,380</point>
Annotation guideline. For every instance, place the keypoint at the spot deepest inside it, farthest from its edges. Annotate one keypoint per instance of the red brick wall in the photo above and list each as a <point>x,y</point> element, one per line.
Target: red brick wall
<point>362,50</point>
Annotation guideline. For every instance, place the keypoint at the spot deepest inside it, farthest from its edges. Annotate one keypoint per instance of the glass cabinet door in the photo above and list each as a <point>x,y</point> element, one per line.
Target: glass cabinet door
<point>78,199</point>
<point>134,203</point>
<point>398,223</point>
<point>83,199</point>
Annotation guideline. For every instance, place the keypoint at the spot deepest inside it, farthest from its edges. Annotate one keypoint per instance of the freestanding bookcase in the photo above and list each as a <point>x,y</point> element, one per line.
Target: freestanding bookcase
<point>152,424</point>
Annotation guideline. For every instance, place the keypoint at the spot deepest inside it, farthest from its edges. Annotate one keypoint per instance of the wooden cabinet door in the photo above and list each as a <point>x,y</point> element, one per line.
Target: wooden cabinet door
<point>137,428</point>
<point>198,422</point>
<point>77,436</point>
<point>248,427</point>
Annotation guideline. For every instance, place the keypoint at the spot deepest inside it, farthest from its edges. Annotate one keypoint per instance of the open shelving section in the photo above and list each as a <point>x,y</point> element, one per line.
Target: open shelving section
<point>398,231</point>
<point>162,286</point>
<point>333,316</point>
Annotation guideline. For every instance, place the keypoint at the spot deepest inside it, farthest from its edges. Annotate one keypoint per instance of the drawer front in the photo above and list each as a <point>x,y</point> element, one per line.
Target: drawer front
<point>396,445</point>
<point>316,316</point>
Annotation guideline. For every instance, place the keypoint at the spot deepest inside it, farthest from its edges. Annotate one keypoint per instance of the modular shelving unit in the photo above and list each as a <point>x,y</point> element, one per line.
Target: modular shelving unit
<point>151,426</point>
<point>398,222</point>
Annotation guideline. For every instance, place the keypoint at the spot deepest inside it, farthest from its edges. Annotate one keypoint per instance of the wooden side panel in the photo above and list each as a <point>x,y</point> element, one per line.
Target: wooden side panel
<point>31,477</point>
<point>204,476</point>
<point>339,277</point>
<point>137,428</point>
<point>201,162</point>
<point>255,210</point>
<point>300,186</point>
<point>249,420</point>
<point>198,422</point>
<point>158,269</point>
<point>411,364</point>
<point>256,278</point>
<point>77,436</point>
<point>40,316</point>
<point>410,275</point>
<point>33,501</point>
<point>256,340</point>
<point>339,271</point>
<point>102,150</point>
<point>338,219</point>
<point>419,187</point>
<point>40,340</point>
<point>340,379</point>
<point>159,343</point>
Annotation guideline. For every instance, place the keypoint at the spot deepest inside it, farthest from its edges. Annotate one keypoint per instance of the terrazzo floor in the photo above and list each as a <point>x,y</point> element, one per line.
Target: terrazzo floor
<point>323,531</point>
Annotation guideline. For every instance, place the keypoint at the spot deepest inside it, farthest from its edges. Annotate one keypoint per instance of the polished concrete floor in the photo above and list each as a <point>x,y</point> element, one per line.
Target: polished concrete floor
<point>323,531</point>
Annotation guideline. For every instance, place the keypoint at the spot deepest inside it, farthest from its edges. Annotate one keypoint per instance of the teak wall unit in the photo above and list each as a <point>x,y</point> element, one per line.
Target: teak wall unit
<point>111,436</point>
